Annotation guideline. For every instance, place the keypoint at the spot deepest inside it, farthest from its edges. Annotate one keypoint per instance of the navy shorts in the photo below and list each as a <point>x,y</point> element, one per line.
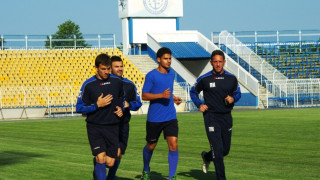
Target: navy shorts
<point>154,129</point>
<point>103,138</point>
<point>123,136</point>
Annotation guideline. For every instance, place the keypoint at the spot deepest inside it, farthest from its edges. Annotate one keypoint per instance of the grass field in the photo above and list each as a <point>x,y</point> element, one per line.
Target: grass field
<point>266,144</point>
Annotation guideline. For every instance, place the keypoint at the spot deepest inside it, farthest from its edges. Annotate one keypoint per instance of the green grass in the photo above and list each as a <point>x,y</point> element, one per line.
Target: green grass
<point>266,144</point>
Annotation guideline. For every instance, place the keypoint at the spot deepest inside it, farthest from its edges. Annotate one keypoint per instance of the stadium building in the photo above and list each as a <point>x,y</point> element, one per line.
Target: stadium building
<point>275,69</point>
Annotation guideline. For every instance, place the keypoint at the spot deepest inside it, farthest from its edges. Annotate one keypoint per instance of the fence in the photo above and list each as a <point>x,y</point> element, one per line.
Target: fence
<point>293,93</point>
<point>257,66</point>
<point>47,42</point>
<point>274,37</point>
<point>62,99</point>
<point>57,99</point>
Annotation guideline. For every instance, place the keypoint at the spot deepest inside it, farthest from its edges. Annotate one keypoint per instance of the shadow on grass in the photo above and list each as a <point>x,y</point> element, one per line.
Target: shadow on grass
<point>154,176</point>
<point>123,178</point>
<point>12,157</point>
<point>197,174</point>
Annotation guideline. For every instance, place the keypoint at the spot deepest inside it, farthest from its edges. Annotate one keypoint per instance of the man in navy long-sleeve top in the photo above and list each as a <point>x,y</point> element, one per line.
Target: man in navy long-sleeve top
<point>101,99</point>
<point>132,102</point>
<point>220,91</point>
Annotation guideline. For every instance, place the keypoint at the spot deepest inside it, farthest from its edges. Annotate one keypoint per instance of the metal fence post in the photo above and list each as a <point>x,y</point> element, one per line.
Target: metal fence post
<point>300,40</point>
<point>2,42</point>
<point>99,41</point>
<point>50,40</point>
<point>278,38</point>
<point>26,38</point>
<point>75,41</point>
<point>114,41</point>
<point>48,101</point>
<point>256,40</point>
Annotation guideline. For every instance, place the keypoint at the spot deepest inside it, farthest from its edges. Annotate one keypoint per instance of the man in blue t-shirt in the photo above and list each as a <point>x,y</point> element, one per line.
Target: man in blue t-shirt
<point>157,89</point>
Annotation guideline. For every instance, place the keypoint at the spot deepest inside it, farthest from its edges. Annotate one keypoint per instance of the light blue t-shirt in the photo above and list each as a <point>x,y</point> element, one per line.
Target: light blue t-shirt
<point>160,110</point>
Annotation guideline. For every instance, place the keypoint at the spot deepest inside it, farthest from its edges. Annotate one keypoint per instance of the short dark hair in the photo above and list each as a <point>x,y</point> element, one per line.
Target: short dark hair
<point>162,51</point>
<point>103,59</point>
<point>115,58</point>
<point>217,52</point>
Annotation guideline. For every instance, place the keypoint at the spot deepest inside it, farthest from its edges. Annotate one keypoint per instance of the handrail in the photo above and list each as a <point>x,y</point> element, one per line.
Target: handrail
<point>243,76</point>
<point>253,60</point>
<point>175,64</point>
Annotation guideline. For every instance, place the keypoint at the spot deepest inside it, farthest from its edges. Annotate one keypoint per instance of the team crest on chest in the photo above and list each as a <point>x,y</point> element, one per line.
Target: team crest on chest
<point>212,84</point>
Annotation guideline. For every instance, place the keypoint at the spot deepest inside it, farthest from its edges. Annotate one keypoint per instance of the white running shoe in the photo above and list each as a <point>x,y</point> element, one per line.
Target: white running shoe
<point>205,164</point>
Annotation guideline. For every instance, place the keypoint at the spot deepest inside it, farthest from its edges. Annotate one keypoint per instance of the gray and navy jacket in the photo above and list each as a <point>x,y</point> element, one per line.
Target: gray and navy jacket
<point>132,97</point>
<point>89,93</point>
<point>215,89</point>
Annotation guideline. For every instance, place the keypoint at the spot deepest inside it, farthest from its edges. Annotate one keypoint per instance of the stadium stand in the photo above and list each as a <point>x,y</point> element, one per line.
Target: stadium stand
<point>292,59</point>
<point>296,64</point>
<point>51,78</point>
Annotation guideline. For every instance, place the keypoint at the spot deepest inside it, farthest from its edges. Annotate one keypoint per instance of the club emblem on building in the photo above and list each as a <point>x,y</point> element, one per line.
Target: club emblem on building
<point>155,6</point>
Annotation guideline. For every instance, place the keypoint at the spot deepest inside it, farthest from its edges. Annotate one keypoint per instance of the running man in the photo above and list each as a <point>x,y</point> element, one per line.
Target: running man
<point>101,100</point>
<point>157,89</point>
<point>132,102</point>
<point>220,91</point>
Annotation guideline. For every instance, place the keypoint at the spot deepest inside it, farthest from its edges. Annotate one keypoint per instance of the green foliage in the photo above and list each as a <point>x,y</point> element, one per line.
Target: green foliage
<point>266,144</point>
<point>67,36</point>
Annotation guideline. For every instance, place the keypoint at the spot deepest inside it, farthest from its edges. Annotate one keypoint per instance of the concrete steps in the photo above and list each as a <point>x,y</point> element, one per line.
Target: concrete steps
<point>145,64</point>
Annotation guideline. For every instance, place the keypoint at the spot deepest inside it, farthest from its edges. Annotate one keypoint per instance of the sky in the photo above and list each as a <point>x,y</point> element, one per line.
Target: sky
<point>41,17</point>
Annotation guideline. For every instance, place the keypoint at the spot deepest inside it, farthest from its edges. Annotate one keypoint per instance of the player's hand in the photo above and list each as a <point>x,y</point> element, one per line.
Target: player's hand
<point>126,104</point>
<point>166,93</point>
<point>104,101</point>
<point>177,100</point>
<point>229,100</point>
<point>203,108</point>
<point>119,153</point>
<point>118,112</point>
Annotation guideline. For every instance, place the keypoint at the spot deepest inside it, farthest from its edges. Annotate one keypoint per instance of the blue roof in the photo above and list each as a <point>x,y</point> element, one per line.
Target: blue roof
<point>186,50</point>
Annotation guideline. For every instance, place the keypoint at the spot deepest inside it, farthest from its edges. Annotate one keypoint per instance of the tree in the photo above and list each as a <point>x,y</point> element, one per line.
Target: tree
<point>67,36</point>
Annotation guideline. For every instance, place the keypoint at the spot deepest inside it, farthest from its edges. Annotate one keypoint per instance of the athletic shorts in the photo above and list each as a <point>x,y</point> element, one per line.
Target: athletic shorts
<point>123,136</point>
<point>154,129</point>
<point>103,138</point>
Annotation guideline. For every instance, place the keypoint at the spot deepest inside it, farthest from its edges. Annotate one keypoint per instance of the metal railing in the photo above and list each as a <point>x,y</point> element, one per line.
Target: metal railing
<point>276,37</point>
<point>255,62</point>
<point>63,99</point>
<point>243,76</point>
<point>293,93</point>
<point>47,42</point>
<point>49,97</point>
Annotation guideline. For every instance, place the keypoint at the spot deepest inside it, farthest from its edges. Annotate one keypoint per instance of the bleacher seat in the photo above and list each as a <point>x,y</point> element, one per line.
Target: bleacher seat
<point>53,68</point>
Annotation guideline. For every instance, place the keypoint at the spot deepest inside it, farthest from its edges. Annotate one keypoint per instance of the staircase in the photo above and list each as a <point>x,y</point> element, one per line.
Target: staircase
<point>262,97</point>
<point>145,64</point>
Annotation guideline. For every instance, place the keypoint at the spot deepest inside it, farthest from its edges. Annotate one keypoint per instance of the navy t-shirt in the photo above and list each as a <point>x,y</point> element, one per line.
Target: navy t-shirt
<point>160,110</point>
